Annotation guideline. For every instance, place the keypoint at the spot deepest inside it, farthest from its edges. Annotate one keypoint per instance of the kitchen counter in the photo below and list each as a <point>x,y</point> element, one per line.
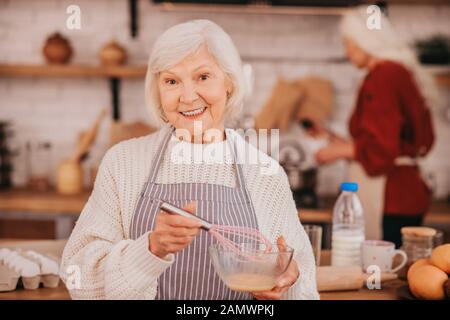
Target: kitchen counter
<point>437,217</point>
<point>64,210</point>
<point>60,293</point>
<point>52,203</point>
<point>52,213</point>
<point>46,202</point>
<point>439,213</point>
<point>55,247</point>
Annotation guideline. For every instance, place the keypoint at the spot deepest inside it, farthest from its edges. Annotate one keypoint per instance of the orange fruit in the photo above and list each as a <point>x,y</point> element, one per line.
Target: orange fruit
<point>418,263</point>
<point>427,282</point>
<point>441,257</point>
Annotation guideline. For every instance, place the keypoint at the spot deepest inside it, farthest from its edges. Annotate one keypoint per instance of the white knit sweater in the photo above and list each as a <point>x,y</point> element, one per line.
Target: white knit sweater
<point>102,262</point>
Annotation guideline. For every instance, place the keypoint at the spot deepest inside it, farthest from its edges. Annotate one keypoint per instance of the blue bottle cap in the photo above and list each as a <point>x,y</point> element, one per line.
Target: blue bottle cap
<point>349,186</point>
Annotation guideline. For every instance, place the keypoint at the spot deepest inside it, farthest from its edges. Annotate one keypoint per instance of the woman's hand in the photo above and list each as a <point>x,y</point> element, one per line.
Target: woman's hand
<point>285,281</point>
<point>337,149</point>
<point>173,233</point>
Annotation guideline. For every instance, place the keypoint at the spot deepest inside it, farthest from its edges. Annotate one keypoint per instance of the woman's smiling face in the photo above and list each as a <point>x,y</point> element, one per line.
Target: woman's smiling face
<point>194,90</point>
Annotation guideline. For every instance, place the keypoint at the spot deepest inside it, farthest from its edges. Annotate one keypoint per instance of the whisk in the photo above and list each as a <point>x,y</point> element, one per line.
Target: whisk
<point>220,232</point>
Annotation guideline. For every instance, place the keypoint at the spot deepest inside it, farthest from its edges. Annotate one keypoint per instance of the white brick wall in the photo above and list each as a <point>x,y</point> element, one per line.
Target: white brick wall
<point>57,109</point>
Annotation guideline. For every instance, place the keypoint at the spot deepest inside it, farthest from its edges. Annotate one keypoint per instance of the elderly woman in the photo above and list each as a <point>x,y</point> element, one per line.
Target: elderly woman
<point>123,246</point>
<point>391,128</point>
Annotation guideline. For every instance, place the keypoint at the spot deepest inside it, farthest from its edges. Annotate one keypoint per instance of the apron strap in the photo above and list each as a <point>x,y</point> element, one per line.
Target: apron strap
<point>160,154</point>
<point>239,171</point>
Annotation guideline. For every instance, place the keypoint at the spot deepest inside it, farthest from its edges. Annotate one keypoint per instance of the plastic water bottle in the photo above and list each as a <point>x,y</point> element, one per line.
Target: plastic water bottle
<point>348,227</point>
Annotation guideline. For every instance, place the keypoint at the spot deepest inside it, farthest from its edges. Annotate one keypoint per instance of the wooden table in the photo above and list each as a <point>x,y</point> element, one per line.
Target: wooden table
<point>61,293</point>
<point>387,291</point>
<point>56,247</point>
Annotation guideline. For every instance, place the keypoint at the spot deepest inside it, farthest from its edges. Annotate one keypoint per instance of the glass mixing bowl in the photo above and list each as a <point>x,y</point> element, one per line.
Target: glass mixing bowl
<point>254,269</point>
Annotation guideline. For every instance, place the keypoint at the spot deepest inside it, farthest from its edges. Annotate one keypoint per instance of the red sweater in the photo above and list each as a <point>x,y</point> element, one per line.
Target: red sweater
<point>391,120</point>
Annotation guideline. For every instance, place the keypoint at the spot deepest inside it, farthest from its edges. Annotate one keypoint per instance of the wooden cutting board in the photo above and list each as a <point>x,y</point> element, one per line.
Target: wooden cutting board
<point>120,131</point>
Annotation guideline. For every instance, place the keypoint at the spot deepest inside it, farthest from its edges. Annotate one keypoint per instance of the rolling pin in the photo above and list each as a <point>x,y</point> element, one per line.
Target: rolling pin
<point>331,278</point>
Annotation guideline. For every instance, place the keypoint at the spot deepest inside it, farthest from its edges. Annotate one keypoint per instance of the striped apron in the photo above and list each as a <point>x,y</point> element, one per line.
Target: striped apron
<point>192,276</point>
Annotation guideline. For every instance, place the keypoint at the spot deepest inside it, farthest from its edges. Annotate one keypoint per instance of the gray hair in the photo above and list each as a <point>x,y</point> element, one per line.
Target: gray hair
<point>184,39</point>
<point>385,43</point>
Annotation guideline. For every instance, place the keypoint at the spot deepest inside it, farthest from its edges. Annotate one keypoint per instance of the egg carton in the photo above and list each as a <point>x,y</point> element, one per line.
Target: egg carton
<point>31,267</point>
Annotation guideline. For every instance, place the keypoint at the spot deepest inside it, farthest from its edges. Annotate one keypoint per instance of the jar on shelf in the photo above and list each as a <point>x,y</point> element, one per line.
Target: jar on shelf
<point>39,165</point>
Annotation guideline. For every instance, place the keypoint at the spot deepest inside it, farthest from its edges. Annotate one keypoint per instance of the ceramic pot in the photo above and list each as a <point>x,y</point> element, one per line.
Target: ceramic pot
<point>112,54</point>
<point>57,49</point>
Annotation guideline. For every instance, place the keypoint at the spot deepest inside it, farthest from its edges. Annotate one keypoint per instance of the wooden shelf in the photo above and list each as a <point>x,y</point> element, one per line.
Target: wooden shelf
<point>113,74</point>
<point>53,70</point>
<point>249,9</point>
<point>441,74</point>
<point>443,79</point>
<point>438,215</point>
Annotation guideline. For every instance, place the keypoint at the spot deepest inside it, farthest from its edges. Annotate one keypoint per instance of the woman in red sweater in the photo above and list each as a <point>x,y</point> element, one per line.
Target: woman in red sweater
<point>390,127</point>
